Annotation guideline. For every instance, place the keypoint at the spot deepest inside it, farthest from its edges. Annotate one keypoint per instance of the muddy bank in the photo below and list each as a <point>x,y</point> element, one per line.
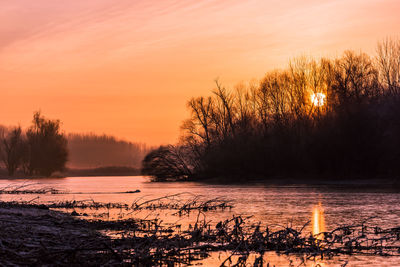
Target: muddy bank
<point>35,235</point>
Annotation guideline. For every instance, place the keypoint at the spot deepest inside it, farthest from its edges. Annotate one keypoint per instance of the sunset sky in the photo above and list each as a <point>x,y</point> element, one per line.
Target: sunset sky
<point>127,67</point>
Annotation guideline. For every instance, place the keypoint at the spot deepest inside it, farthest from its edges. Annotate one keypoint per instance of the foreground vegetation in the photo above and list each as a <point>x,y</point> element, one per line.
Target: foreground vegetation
<point>328,117</point>
<point>52,237</point>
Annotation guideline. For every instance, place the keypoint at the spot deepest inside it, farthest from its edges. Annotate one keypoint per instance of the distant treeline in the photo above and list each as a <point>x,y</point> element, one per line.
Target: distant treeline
<point>93,151</point>
<point>317,118</point>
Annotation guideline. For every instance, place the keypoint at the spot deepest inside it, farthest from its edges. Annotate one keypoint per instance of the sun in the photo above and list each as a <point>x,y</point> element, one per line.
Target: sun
<point>318,99</point>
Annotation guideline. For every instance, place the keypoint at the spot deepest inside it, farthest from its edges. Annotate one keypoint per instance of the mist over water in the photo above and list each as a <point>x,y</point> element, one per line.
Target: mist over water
<point>92,151</point>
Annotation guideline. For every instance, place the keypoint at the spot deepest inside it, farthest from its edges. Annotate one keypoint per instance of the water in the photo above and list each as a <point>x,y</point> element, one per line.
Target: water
<point>276,206</point>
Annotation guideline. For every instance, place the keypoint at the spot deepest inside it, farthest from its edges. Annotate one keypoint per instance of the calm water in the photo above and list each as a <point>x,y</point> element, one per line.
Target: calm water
<point>275,206</point>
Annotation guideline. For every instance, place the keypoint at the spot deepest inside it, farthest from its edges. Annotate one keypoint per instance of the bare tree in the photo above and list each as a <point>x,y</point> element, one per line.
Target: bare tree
<point>47,146</point>
<point>356,79</point>
<point>227,101</point>
<point>201,118</point>
<point>167,162</point>
<point>389,64</point>
<point>12,150</point>
<point>273,95</point>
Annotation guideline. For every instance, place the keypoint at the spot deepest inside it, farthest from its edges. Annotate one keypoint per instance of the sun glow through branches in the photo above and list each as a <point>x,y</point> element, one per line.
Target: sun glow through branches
<point>318,99</point>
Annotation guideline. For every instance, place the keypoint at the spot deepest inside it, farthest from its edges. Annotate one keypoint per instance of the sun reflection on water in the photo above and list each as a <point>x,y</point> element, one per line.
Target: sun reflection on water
<point>318,220</point>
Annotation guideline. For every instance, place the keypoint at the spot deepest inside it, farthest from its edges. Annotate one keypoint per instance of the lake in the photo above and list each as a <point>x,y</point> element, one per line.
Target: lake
<point>272,205</point>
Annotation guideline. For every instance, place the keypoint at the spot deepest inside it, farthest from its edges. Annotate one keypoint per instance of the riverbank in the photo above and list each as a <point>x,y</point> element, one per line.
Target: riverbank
<point>301,180</point>
<point>292,180</point>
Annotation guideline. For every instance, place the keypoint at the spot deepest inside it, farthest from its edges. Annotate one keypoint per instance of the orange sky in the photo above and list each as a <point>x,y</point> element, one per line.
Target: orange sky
<point>127,67</point>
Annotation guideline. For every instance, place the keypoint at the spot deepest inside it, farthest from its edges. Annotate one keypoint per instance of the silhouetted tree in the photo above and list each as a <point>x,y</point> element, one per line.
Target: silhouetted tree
<point>47,146</point>
<point>12,149</point>
<point>355,80</point>
<point>167,162</point>
<point>389,65</point>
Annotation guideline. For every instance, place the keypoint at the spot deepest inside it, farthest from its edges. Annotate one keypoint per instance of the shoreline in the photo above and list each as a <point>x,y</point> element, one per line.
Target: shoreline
<point>393,183</point>
<point>306,181</point>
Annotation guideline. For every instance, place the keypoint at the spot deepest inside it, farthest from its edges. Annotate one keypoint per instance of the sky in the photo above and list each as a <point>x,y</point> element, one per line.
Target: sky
<point>128,67</point>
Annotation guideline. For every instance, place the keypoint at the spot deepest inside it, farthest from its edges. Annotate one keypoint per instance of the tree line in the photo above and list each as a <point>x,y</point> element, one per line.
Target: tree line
<point>335,117</point>
<point>40,150</point>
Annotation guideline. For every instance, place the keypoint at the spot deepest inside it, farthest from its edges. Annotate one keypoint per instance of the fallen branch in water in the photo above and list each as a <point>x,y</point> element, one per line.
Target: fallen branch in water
<point>28,188</point>
<point>192,204</point>
<point>36,188</point>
